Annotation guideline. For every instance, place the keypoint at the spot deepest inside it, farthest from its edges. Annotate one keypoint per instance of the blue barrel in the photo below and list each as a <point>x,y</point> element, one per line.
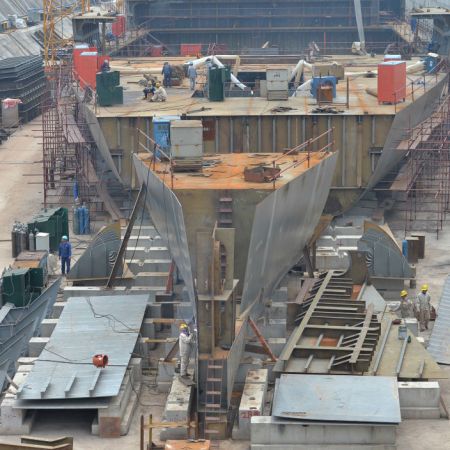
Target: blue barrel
<point>405,248</point>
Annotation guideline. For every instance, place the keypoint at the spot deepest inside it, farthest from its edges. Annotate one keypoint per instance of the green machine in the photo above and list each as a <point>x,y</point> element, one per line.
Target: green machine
<point>109,91</point>
<point>54,221</point>
<point>16,287</point>
<point>217,76</point>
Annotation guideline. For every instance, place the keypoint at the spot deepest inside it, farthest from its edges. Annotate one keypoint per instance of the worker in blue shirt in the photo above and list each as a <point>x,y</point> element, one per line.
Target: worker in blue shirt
<point>167,72</point>
<point>65,252</point>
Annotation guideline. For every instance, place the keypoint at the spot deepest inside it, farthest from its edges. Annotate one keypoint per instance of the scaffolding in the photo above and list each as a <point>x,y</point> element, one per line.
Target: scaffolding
<point>68,165</point>
<point>428,167</point>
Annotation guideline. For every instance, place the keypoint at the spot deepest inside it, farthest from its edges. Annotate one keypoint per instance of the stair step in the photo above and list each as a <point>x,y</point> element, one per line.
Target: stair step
<point>214,380</point>
<point>225,210</point>
<point>213,405</point>
<point>215,366</point>
<point>225,221</point>
<point>213,419</point>
<point>226,199</point>
<point>212,431</point>
<point>213,392</point>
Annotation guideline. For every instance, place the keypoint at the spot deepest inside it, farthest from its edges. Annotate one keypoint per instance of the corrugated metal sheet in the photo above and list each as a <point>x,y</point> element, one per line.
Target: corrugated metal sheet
<point>337,398</point>
<point>87,326</point>
<point>439,346</point>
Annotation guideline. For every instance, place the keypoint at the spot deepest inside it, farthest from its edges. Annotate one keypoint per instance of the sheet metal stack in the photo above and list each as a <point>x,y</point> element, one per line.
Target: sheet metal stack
<point>23,78</point>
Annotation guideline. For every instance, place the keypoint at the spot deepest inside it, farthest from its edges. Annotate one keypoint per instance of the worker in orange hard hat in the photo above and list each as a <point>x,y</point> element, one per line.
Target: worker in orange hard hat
<point>423,304</point>
<point>406,306</point>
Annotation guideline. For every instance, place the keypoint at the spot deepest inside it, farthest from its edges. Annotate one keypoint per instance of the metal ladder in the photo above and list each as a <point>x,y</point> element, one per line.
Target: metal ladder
<point>213,398</point>
<point>225,210</point>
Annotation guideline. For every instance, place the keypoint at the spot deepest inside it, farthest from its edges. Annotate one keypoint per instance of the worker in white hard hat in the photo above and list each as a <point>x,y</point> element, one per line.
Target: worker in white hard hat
<point>160,94</point>
<point>105,66</point>
<point>65,253</point>
<point>406,305</point>
<point>186,343</point>
<point>423,304</point>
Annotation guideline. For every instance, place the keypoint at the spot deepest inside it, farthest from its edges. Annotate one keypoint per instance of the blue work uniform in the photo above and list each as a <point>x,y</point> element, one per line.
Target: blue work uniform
<point>65,252</point>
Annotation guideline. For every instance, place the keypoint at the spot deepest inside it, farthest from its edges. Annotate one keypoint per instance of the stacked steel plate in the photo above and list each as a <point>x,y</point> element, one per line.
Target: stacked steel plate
<point>23,78</point>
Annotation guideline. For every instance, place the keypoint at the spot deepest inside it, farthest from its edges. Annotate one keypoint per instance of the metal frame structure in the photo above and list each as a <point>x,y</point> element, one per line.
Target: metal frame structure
<point>428,190</point>
<point>67,145</point>
<point>333,328</point>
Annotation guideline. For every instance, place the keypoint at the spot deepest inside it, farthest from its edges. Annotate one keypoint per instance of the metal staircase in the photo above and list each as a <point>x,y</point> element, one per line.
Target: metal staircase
<point>225,210</point>
<point>213,400</point>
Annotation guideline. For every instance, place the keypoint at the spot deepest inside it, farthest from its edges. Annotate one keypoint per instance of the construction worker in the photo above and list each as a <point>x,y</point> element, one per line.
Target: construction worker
<point>406,306</point>
<point>424,307</point>
<point>65,253</point>
<point>192,74</point>
<point>105,66</point>
<point>160,94</point>
<point>167,72</point>
<point>186,342</point>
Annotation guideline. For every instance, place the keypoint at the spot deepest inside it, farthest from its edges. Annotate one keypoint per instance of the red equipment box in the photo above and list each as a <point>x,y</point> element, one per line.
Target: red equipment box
<point>118,27</point>
<point>87,69</point>
<point>190,49</point>
<point>392,82</point>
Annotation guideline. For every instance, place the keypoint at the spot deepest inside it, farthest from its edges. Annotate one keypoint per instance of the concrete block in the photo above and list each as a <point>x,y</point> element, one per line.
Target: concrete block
<point>420,413</point>
<point>252,404</point>
<point>57,309</point>
<point>285,433</point>
<point>322,447</point>
<point>419,394</point>
<point>166,371</point>
<point>15,421</point>
<point>258,376</point>
<point>177,409</point>
<point>151,279</point>
<point>413,325</point>
<point>149,265</point>
<point>47,327</point>
<point>36,345</point>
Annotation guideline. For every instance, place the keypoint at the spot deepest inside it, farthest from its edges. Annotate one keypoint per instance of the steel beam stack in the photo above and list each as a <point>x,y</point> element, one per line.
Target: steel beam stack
<point>23,77</point>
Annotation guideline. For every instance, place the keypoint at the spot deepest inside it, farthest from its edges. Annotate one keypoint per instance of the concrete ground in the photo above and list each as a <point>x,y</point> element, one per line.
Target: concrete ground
<point>20,168</point>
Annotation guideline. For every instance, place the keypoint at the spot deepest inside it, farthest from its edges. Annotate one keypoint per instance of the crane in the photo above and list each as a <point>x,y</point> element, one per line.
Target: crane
<point>54,12</point>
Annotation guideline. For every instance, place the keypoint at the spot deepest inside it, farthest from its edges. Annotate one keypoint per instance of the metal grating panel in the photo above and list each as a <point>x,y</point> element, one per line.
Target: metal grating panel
<point>439,346</point>
<point>342,398</point>
<point>88,326</point>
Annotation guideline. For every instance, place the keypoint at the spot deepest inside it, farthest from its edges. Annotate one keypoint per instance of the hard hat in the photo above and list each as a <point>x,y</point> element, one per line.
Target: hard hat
<point>403,293</point>
<point>183,326</point>
<point>424,287</point>
<point>65,238</point>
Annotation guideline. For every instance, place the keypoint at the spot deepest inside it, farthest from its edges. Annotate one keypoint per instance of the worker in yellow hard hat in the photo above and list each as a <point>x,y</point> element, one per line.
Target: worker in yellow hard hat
<point>423,304</point>
<point>160,94</point>
<point>186,343</point>
<point>406,306</point>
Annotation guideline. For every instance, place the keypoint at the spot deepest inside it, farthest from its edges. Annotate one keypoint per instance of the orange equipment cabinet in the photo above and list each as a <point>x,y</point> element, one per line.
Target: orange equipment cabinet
<point>392,82</point>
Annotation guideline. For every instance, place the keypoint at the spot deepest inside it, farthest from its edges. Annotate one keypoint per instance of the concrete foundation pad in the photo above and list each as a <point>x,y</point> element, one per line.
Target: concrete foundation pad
<point>322,447</point>
<point>268,430</point>
<point>420,413</point>
<point>419,394</point>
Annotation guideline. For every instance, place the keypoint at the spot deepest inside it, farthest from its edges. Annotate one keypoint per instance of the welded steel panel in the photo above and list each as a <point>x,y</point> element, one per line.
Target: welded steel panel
<point>383,256</point>
<point>283,223</point>
<point>19,319</point>
<point>18,325</point>
<point>167,215</point>
<point>343,398</point>
<point>87,326</point>
<point>439,346</point>
<point>98,259</point>
<point>405,120</point>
